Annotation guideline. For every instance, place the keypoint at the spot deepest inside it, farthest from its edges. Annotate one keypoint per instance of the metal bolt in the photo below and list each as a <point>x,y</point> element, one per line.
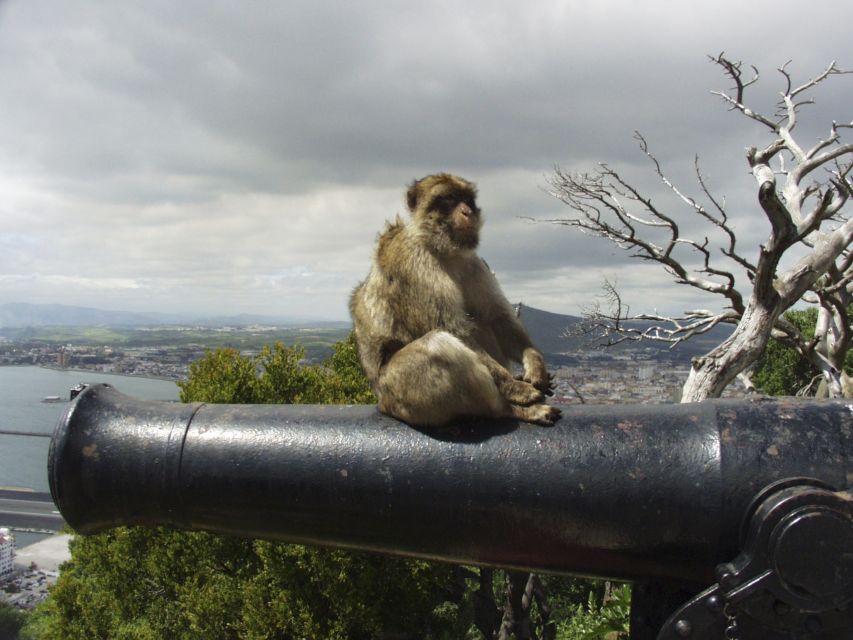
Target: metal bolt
<point>714,603</point>
<point>813,624</point>
<point>725,578</point>
<point>781,608</point>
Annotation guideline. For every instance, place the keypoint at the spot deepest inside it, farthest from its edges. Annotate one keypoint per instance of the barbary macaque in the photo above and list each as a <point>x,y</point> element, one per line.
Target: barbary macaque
<point>435,333</point>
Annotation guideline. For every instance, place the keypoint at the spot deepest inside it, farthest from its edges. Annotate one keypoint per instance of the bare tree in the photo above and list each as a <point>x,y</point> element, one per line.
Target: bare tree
<point>803,200</point>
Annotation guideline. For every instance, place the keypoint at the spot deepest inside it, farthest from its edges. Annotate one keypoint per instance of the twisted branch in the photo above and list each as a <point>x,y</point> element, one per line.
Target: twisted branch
<point>808,214</point>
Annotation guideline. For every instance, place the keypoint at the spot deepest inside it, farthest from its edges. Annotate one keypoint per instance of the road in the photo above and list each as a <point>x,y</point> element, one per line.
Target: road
<point>28,510</point>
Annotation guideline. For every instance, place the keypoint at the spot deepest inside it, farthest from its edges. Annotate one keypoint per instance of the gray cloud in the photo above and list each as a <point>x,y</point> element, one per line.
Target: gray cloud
<point>214,156</point>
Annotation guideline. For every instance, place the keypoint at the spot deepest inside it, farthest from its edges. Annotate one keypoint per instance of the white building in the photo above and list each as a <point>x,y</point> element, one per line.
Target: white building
<point>7,553</point>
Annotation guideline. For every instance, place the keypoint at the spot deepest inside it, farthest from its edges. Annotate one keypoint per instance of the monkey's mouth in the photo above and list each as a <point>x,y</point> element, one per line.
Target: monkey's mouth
<point>467,221</point>
<point>467,237</point>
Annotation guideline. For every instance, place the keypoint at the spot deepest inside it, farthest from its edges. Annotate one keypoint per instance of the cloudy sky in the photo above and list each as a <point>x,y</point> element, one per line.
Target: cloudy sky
<point>229,157</point>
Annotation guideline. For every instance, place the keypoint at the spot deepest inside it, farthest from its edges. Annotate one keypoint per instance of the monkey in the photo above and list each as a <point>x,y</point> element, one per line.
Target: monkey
<point>435,333</point>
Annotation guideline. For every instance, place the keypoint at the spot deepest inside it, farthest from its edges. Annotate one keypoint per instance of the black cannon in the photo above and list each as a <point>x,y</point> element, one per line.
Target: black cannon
<point>746,499</point>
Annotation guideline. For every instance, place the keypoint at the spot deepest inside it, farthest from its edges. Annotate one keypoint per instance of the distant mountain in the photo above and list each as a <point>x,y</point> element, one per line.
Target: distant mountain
<point>548,331</point>
<point>22,315</point>
<point>248,319</point>
<point>18,314</point>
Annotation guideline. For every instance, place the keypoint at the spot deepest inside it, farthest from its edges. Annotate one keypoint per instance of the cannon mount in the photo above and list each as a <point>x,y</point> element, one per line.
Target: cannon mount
<point>793,578</point>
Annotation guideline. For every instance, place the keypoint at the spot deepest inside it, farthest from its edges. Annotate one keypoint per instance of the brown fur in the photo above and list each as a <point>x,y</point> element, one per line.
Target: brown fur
<point>435,333</point>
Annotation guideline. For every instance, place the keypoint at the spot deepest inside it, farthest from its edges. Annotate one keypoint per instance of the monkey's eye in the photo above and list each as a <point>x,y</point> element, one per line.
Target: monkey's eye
<point>445,203</point>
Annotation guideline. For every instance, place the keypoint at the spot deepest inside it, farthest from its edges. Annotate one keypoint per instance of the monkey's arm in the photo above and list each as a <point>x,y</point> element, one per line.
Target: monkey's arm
<point>517,345</point>
<point>521,392</point>
<point>515,342</point>
<point>374,326</point>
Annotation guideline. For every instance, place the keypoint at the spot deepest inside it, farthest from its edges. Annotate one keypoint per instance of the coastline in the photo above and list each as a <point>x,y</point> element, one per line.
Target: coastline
<point>23,460</point>
<point>50,367</point>
<point>103,373</point>
<point>47,554</point>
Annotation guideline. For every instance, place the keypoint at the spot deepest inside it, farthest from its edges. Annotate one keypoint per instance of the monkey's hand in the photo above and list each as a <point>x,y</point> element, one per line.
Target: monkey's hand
<point>519,392</point>
<point>535,372</point>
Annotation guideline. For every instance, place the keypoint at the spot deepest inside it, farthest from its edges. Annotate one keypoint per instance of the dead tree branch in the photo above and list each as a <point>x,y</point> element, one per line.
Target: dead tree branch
<point>802,208</point>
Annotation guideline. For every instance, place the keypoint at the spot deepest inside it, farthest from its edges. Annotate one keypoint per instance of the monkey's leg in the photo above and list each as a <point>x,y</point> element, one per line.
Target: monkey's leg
<point>513,390</point>
<point>524,398</point>
<point>435,379</point>
<point>543,414</point>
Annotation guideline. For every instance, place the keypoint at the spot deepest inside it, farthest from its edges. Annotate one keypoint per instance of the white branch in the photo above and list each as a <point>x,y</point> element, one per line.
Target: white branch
<point>807,211</point>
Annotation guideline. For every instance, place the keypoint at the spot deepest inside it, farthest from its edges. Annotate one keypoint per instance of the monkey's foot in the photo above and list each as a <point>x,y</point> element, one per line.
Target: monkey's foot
<point>543,414</point>
<point>520,393</point>
<point>543,382</point>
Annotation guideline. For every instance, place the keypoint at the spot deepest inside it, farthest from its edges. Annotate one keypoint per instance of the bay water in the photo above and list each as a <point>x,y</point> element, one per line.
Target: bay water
<point>23,459</point>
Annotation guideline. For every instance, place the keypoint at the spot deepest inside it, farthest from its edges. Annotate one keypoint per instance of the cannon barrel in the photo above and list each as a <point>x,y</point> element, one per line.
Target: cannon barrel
<point>633,492</point>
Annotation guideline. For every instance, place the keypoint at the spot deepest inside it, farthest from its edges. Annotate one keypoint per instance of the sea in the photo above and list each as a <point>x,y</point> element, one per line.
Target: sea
<point>23,459</point>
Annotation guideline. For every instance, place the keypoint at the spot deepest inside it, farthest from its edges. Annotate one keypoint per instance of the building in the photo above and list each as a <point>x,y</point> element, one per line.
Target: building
<point>7,553</point>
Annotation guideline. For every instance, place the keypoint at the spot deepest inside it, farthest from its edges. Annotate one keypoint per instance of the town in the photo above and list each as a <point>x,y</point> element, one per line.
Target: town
<point>595,376</point>
<point>170,363</point>
<point>154,352</point>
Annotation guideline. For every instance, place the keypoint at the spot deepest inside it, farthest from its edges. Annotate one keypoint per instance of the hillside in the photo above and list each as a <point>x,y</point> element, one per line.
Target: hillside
<point>83,325</point>
<point>548,331</point>
<point>22,315</point>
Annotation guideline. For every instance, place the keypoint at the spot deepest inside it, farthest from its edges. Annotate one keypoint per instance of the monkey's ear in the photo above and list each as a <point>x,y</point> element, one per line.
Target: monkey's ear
<point>412,195</point>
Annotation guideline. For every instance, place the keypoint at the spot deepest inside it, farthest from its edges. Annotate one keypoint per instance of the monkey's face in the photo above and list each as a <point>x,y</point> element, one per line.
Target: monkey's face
<point>459,218</point>
<point>445,209</point>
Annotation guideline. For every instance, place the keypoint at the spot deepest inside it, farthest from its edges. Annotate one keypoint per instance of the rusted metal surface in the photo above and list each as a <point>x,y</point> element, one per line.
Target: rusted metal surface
<point>631,492</point>
<point>792,579</point>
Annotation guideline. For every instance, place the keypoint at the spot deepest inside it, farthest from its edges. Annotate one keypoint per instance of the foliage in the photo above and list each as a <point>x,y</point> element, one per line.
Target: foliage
<point>346,382</point>
<point>221,376</point>
<point>277,375</point>
<point>781,371</point>
<point>595,622</point>
<point>577,608</point>
<point>158,583</point>
<point>321,593</point>
<point>151,583</point>
<point>11,621</point>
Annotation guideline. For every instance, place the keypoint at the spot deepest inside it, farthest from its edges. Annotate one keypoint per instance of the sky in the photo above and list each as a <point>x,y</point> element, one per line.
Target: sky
<point>210,157</point>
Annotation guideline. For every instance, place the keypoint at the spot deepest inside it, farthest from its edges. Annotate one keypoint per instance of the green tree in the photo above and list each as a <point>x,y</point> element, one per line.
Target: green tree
<point>284,381</point>
<point>11,621</point>
<point>782,371</point>
<point>152,583</point>
<point>221,376</point>
<point>594,621</point>
<point>278,375</point>
<point>345,381</point>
